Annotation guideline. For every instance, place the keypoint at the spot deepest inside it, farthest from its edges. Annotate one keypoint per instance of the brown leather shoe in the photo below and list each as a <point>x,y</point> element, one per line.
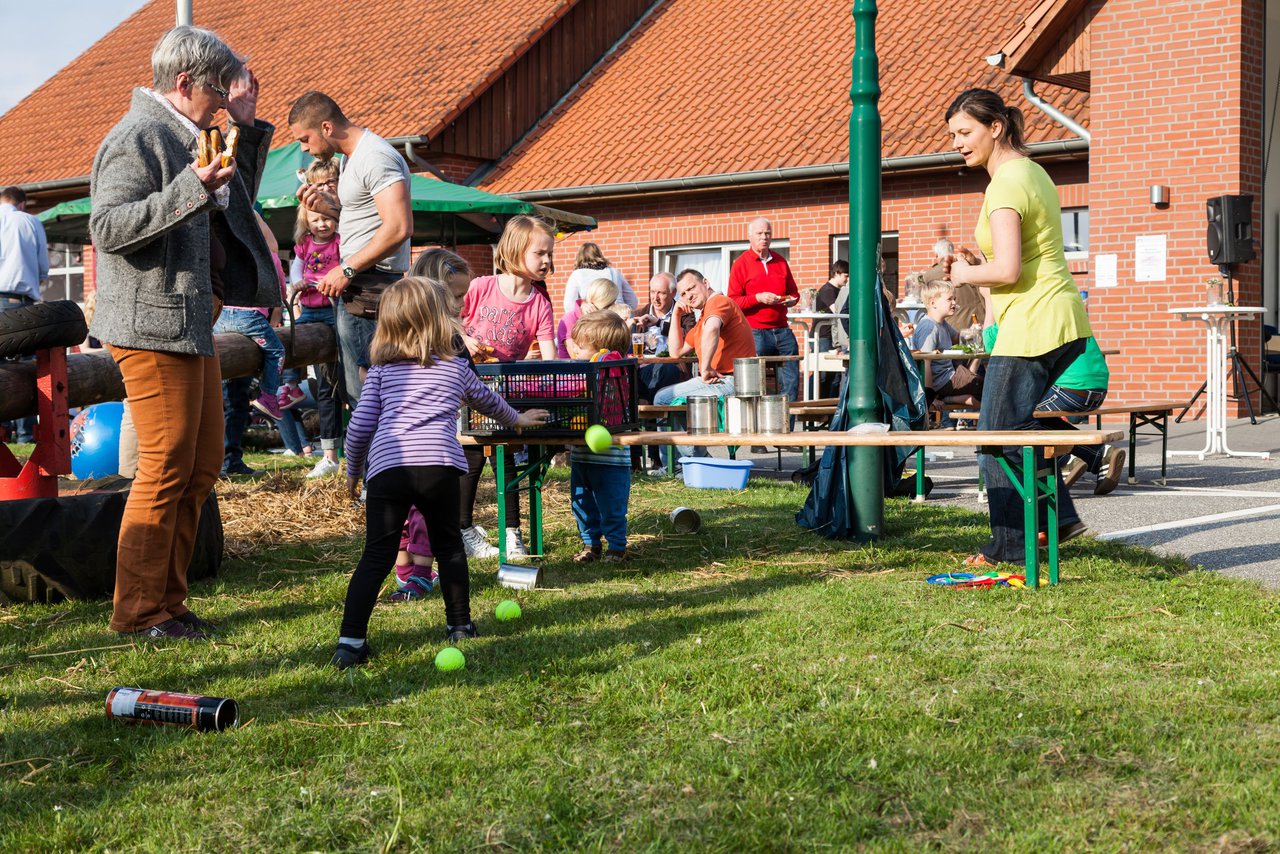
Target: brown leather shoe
<point>1073,472</point>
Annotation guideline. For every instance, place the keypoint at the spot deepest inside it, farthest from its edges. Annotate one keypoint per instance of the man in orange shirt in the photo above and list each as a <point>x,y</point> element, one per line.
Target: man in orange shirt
<point>720,336</point>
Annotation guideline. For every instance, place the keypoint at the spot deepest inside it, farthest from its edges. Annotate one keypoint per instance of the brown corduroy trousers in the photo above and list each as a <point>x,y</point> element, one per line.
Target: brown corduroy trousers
<point>176,403</point>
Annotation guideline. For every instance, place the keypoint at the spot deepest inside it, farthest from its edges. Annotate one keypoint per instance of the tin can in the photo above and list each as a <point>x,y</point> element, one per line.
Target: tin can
<point>772,415</point>
<point>740,414</point>
<point>206,714</point>
<point>686,520</point>
<point>704,413</point>
<point>519,577</point>
<point>748,376</point>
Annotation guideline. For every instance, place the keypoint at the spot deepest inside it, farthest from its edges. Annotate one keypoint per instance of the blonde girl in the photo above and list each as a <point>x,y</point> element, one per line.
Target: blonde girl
<point>503,316</point>
<point>403,442</point>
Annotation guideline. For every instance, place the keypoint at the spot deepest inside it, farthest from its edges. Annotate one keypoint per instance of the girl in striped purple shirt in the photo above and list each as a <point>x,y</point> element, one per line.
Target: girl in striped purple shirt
<point>403,441</point>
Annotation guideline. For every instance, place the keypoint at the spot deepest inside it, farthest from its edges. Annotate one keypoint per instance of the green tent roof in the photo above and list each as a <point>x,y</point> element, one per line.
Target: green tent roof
<point>449,214</point>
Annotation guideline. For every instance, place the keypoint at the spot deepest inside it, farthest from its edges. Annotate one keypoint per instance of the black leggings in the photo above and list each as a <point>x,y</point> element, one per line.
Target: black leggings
<point>471,482</point>
<point>434,491</point>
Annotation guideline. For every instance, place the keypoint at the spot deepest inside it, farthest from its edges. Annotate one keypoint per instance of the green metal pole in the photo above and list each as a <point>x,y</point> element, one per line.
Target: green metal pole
<point>865,467</point>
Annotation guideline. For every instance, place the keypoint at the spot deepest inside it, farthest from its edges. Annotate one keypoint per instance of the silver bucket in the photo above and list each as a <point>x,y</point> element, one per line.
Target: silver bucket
<point>740,414</point>
<point>686,520</point>
<point>748,377</point>
<point>772,415</point>
<point>519,577</point>
<point>704,414</point>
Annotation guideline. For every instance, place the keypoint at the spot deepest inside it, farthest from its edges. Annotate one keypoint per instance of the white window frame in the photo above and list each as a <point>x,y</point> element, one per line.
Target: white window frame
<point>727,256</point>
<point>1083,254</point>
<point>66,271</point>
<point>838,240</point>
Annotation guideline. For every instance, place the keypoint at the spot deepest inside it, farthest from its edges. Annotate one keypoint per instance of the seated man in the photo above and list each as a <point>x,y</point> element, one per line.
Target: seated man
<point>655,321</point>
<point>720,336</point>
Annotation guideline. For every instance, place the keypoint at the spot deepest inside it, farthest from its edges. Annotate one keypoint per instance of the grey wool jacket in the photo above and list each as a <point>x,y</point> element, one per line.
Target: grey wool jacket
<point>150,227</point>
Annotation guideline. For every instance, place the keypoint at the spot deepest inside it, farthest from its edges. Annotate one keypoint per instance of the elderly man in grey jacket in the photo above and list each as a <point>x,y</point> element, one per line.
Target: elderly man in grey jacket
<point>168,232</point>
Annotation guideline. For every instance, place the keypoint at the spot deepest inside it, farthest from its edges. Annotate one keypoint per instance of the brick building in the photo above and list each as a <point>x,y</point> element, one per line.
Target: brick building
<point>674,122</point>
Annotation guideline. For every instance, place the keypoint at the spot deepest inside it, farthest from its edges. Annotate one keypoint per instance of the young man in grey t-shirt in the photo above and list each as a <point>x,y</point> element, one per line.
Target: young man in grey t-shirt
<point>375,220</point>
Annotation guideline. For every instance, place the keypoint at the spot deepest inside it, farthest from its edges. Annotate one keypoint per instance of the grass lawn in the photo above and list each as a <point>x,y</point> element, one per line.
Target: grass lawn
<point>749,687</point>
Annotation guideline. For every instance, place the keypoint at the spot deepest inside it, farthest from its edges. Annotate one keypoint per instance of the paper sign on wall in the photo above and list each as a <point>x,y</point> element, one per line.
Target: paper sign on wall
<point>1104,271</point>
<point>1149,257</point>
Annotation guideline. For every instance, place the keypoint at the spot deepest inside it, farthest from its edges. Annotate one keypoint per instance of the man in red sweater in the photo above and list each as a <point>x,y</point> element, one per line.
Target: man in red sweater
<point>760,282</point>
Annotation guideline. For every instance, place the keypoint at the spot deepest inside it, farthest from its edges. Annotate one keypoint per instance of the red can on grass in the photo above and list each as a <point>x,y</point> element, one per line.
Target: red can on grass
<point>138,705</point>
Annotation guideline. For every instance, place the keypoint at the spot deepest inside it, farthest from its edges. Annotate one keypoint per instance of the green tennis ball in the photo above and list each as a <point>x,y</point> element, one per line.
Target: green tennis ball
<point>450,658</point>
<point>507,610</point>
<point>598,438</point>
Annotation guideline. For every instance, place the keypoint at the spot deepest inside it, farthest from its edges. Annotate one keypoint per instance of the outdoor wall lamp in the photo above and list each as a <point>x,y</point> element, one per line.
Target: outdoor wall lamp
<point>1160,196</point>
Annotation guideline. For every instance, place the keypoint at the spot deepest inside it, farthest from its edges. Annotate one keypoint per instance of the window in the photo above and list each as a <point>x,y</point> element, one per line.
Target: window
<point>1075,233</point>
<point>712,260</point>
<point>888,251</point>
<point>66,273</point>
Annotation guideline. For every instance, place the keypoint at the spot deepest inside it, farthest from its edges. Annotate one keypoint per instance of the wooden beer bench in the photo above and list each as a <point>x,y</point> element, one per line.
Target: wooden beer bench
<point>1033,476</point>
<point>1143,413</point>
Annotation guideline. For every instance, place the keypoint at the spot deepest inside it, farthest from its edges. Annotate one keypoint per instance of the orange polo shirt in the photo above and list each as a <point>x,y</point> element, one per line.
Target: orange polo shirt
<point>736,340</point>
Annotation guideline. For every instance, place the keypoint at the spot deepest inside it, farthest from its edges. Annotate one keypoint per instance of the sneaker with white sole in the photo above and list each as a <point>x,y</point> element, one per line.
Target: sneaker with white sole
<point>515,543</point>
<point>324,468</point>
<point>1109,477</point>
<point>268,405</point>
<point>290,396</point>
<point>477,543</point>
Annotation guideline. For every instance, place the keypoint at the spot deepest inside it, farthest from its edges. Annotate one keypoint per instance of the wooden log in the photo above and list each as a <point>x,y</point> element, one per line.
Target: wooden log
<point>94,378</point>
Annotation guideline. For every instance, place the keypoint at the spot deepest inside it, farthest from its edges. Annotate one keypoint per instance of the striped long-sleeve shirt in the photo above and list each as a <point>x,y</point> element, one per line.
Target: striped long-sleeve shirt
<point>408,416</point>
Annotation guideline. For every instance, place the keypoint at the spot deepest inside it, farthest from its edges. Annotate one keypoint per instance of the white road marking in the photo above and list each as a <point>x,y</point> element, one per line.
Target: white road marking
<point>1196,520</point>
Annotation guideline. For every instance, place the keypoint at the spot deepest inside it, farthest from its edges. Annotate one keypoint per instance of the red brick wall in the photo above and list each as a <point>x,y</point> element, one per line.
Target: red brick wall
<point>1176,99</point>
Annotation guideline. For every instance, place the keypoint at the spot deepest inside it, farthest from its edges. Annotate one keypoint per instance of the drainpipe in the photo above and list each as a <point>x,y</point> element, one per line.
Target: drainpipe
<point>1053,112</point>
<point>412,156</point>
<point>184,13</point>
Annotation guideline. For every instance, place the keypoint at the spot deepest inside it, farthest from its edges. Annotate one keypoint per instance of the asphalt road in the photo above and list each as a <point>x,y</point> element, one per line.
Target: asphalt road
<point>1222,513</point>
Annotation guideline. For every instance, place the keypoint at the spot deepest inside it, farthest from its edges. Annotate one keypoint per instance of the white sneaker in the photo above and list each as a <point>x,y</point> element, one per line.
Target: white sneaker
<point>477,543</point>
<point>515,544</point>
<point>324,468</point>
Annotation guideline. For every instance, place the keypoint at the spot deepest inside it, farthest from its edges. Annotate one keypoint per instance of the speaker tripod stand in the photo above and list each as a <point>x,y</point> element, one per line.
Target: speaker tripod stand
<point>1239,367</point>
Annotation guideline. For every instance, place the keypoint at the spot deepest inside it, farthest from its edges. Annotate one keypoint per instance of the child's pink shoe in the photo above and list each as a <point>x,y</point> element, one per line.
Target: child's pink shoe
<point>290,396</point>
<point>268,405</point>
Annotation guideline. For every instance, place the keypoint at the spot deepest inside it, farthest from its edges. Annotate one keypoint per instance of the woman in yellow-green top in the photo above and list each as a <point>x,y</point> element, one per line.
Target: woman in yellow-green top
<point>1043,325</point>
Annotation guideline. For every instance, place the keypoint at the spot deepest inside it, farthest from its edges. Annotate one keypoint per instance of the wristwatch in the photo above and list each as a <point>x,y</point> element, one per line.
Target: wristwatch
<point>348,270</point>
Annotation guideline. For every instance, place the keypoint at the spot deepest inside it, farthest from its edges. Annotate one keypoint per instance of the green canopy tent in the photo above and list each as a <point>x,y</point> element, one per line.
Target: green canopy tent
<point>443,213</point>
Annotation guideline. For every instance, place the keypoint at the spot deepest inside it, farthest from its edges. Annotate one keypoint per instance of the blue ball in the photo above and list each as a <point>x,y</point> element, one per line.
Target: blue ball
<point>95,441</point>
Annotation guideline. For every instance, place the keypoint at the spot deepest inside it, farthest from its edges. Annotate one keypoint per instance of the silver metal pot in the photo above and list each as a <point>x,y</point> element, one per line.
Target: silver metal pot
<point>519,577</point>
<point>704,414</point>
<point>772,415</point>
<point>740,414</point>
<point>748,377</point>
<point>686,520</point>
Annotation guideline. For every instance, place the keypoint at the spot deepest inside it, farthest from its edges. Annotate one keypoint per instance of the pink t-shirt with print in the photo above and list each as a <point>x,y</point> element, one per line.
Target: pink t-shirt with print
<point>317,259</point>
<point>509,327</point>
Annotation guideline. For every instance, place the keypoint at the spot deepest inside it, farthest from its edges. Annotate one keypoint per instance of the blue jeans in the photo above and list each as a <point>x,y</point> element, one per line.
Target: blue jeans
<point>781,342</point>
<point>235,418</point>
<point>326,394</point>
<point>687,389</point>
<point>599,495</point>
<point>653,379</point>
<point>1014,386</point>
<point>1067,400</point>
<point>21,428</point>
<point>254,325</point>
<point>354,335</point>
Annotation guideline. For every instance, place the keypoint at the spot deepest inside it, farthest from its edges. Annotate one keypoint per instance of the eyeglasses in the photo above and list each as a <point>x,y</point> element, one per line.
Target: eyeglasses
<point>222,93</point>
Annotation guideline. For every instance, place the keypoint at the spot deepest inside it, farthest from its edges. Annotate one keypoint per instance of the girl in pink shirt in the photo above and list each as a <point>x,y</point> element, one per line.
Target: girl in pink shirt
<point>502,317</point>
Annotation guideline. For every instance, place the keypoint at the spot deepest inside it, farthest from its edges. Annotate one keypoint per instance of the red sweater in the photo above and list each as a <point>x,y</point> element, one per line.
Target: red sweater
<point>750,276</point>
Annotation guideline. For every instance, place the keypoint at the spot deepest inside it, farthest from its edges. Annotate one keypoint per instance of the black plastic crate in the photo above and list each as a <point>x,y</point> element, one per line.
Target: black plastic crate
<point>577,394</point>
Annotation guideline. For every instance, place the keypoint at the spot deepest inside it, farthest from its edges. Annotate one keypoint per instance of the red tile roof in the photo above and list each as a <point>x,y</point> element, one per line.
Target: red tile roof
<point>702,88</point>
<point>402,67</point>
